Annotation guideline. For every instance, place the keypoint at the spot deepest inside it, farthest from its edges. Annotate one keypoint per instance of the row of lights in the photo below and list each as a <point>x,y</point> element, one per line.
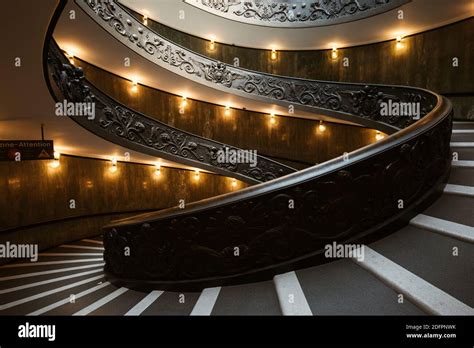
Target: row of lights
<point>113,168</point>
<point>334,50</point>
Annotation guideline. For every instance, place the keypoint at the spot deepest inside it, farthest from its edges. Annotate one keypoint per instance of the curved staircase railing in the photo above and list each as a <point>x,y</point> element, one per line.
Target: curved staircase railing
<point>121,125</point>
<point>296,13</point>
<point>352,102</point>
<point>283,223</point>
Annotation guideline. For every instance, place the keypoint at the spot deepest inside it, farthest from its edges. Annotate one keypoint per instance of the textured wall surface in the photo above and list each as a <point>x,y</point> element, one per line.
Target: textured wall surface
<point>424,60</point>
<point>295,142</point>
<point>33,192</point>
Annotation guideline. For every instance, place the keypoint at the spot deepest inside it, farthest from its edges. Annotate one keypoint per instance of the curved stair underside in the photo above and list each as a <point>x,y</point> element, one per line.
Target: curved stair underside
<point>296,13</point>
<point>415,264</point>
<point>281,224</point>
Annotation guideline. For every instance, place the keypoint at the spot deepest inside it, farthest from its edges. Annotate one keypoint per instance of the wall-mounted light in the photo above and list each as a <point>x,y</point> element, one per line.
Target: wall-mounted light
<point>322,126</point>
<point>273,54</point>
<point>212,45</point>
<point>70,57</point>
<point>233,183</point>
<point>227,110</point>
<point>113,165</point>
<point>134,87</point>
<point>334,53</point>
<point>184,102</point>
<point>196,174</point>
<point>157,169</point>
<point>379,136</point>
<point>272,119</point>
<point>145,20</point>
<point>399,44</point>
<point>55,163</point>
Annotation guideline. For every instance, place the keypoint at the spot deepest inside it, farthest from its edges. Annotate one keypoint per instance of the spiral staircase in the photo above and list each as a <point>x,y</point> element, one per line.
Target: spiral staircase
<point>417,259</point>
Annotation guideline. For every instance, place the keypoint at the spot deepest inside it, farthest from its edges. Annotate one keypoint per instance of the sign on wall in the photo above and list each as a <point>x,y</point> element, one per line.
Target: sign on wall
<point>24,150</point>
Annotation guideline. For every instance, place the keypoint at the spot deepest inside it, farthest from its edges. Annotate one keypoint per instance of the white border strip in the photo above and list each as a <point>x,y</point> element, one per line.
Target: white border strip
<point>47,293</point>
<point>420,292</point>
<point>445,227</point>
<point>465,164</point>
<point>67,300</point>
<point>146,302</point>
<point>206,301</point>
<point>58,270</point>
<point>462,144</point>
<point>44,282</point>
<point>290,295</point>
<point>103,301</point>
<point>80,247</point>
<point>461,190</point>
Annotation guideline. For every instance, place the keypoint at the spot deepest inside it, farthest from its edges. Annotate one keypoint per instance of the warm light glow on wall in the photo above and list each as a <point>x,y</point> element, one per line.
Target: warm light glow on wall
<point>55,163</point>
<point>134,87</point>
<point>321,127</point>
<point>273,54</point>
<point>113,165</point>
<point>212,45</point>
<point>379,136</point>
<point>272,119</point>
<point>334,53</point>
<point>70,57</point>
<point>184,102</point>
<point>399,45</point>
<point>157,169</point>
<point>233,183</point>
<point>196,174</point>
<point>145,20</point>
<point>227,110</point>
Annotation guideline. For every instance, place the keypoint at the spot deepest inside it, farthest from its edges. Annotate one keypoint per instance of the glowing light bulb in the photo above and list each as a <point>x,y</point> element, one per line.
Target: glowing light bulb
<point>234,183</point>
<point>196,174</point>
<point>145,20</point>
<point>334,53</point>
<point>273,55</point>
<point>399,44</point>
<point>57,155</point>
<point>184,102</point>
<point>321,126</point>
<point>212,45</point>
<point>272,119</point>
<point>157,169</point>
<point>134,88</point>
<point>227,110</point>
<point>379,136</point>
<point>113,165</point>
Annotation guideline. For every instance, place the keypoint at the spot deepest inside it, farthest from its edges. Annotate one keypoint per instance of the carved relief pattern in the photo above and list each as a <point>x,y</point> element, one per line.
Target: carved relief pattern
<point>337,206</point>
<point>352,99</point>
<point>115,121</point>
<point>304,13</point>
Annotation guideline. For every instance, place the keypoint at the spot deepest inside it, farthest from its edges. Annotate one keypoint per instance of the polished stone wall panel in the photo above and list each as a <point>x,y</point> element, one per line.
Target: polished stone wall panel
<point>32,192</point>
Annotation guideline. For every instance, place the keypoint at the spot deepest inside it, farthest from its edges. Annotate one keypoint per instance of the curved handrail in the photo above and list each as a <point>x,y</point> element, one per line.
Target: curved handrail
<point>296,13</point>
<point>276,226</point>
<point>119,124</point>
<point>285,222</point>
<point>357,103</point>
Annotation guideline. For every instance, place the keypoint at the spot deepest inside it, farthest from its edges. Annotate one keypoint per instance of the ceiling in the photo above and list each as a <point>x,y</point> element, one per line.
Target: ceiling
<point>419,15</point>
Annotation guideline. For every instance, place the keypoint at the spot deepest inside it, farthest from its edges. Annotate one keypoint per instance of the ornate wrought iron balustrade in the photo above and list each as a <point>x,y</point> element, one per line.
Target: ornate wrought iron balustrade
<point>121,125</point>
<point>296,13</point>
<point>353,102</point>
